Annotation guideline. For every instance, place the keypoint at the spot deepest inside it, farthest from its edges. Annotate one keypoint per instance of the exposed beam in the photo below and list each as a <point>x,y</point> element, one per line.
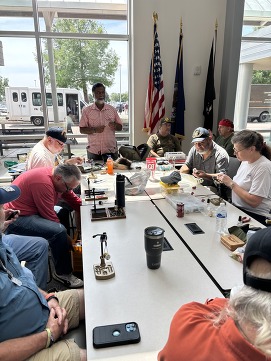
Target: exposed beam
<point>66,10</point>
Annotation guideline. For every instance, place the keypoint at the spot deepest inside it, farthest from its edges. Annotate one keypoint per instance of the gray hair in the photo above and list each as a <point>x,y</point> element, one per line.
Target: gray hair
<point>253,308</point>
<point>68,172</point>
<point>248,138</point>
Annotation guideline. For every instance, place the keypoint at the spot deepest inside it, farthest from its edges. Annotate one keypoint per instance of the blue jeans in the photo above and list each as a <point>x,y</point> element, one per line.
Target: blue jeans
<point>55,233</point>
<point>34,251</point>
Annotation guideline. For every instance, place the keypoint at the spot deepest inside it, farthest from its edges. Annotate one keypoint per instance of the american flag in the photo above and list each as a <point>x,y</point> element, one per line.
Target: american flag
<point>155,100</point>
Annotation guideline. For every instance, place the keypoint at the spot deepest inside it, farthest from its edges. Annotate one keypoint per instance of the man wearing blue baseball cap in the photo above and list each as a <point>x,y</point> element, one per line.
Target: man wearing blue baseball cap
<point>206,158</point>
<point>31,319</point>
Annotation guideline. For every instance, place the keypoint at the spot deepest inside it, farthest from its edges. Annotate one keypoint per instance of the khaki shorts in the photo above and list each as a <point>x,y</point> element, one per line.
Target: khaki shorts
<point>63,350</point>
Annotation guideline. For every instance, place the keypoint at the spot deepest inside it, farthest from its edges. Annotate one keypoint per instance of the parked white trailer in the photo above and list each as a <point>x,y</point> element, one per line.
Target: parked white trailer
<point>260,103</point>
<point>25,104</point>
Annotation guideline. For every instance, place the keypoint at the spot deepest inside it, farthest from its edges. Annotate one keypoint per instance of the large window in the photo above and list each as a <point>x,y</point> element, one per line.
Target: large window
<point>71,47</point>
<point>253,102</point>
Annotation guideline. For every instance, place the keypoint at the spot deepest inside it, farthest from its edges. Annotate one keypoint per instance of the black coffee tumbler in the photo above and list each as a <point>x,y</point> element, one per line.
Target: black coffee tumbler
<point>120,191</point>
<point>154,241</point>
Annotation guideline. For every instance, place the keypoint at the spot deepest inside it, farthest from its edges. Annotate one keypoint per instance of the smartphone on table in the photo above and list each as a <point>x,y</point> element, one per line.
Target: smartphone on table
<point>115,335</point>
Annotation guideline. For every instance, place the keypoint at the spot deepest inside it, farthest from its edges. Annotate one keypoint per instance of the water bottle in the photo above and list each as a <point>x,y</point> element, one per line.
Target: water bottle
<point>221,219</point>
<point>120,191</point>
<point>109,165</point>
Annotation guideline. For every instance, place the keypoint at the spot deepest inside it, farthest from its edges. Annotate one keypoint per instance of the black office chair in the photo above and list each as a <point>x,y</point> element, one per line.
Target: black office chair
<point>234,164</point>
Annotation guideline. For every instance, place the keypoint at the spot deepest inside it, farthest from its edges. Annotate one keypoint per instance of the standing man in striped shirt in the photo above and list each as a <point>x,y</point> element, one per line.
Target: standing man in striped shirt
<point>100,121</point>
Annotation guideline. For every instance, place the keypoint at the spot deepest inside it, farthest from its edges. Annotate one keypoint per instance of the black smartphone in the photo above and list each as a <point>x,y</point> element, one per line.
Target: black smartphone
<point>115,335</point>
<point>194,228</point>
<point>12,215</point>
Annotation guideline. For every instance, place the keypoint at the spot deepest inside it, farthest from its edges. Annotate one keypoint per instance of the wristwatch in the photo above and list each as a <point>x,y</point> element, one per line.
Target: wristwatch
<point>232,185</point>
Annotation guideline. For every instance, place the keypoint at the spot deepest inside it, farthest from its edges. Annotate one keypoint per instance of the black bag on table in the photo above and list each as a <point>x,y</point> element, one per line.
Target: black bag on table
<point>134,153</point>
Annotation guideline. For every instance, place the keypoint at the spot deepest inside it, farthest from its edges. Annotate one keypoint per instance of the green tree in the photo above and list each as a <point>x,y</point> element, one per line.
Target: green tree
<point>261,77</point>
<point>124,97</point>
<point>115,97</point>
<point>80,63</point>
<point>3,84</point>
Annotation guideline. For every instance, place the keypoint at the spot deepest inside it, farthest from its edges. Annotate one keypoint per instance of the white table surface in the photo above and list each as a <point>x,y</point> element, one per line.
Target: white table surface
<point>207,247</point>
<point>153,188</point>
<point>136,293</point>
<point>108,182</point>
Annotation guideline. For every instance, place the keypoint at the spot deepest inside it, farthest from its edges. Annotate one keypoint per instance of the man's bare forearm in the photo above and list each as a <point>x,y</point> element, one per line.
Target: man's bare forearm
<point>19,349</point>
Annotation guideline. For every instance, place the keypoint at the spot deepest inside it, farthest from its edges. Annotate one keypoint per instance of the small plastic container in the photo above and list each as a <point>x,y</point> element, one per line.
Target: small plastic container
<point>9,163</point>
<point>169,189</point>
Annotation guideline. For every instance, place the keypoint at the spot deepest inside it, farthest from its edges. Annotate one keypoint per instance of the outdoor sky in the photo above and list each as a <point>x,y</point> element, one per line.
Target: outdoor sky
<point>19,55</point>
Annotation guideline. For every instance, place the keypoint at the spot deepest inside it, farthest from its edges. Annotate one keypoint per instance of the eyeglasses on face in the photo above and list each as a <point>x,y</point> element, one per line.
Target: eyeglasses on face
<point>67,187</point>
<point>236,151</point>
<point>59,143</point>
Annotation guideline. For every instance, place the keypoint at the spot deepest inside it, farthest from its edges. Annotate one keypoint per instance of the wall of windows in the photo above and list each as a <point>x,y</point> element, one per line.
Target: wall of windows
<point>63,44</point>
<point>253,100</point>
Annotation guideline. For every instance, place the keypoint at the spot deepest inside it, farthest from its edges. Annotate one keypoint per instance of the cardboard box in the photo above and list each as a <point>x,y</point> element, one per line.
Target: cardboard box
<point>77,260</point>
<point>231,242</point>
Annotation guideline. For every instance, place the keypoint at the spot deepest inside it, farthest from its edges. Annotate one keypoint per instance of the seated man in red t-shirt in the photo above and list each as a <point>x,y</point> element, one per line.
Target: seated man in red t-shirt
<point>41,189</point>
<point>237,329</point>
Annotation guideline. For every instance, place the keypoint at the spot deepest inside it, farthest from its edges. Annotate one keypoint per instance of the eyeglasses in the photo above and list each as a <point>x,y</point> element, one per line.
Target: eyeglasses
<point>67,187</point>
<point>59,143</point>
<point>238,151</point>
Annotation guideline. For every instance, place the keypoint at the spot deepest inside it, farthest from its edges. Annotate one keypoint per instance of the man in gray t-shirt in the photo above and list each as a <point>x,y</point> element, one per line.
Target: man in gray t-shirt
<point>205,158</point>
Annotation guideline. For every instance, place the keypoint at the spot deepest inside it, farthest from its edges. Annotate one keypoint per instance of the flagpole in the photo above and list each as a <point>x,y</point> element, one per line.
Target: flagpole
<point>216,27</point>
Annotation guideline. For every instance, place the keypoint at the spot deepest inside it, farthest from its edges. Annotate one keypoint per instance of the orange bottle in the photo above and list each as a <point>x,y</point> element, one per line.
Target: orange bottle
<point>109,164</point>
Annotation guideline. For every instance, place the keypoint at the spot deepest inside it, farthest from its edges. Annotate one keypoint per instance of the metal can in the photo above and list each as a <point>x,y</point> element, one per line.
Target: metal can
<point>180,210</point>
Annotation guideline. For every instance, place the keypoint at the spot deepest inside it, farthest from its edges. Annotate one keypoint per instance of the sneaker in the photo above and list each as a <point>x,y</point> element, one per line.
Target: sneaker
<point>69,280</point>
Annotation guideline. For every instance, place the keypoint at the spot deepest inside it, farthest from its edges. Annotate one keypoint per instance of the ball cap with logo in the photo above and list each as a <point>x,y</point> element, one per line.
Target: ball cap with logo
<point>57,133</point>
<point>165,121</point>
<point>9,193</point>
<point>200,134</point>
<point>259,245</point>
